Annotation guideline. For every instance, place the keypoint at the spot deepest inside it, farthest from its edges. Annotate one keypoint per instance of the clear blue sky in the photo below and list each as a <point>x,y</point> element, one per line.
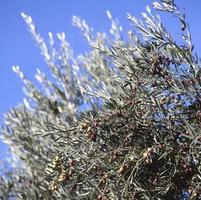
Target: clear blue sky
<point>18,48</point>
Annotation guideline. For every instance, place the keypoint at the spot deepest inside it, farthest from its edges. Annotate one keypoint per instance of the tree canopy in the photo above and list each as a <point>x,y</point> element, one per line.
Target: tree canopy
<point>121,121</point>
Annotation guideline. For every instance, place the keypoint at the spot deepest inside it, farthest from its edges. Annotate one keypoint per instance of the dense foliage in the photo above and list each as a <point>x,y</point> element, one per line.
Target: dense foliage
<point>119,122</point>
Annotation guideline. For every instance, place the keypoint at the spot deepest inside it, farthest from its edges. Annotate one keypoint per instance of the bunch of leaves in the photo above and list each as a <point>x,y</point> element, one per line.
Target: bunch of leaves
<point>144,140</point>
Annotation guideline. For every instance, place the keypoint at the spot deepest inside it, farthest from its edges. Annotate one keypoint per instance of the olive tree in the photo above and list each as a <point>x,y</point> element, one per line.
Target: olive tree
<point>121,121</point>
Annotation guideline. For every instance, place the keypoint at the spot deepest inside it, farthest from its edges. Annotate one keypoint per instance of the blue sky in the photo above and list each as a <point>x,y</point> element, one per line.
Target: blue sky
<point>18,48</point>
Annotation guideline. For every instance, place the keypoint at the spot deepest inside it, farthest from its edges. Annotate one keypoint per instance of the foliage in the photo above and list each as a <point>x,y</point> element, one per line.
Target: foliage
<point>139,134</point>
